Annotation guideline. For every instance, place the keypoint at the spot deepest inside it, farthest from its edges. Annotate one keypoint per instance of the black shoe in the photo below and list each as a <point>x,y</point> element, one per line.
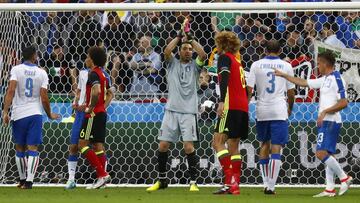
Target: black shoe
<point>27,185</point>
<point>21,183</point>
<point>163,184</point>
<point>224,190</point>
<point>269,192</point>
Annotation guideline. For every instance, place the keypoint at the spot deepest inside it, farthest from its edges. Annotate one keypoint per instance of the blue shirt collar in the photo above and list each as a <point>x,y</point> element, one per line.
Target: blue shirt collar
<point>272,57</point>
<point>29,64</point>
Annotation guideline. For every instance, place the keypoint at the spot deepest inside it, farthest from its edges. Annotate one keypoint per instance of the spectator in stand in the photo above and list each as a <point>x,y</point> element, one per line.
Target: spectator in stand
<point>157,29</point>
<point>146,64</point>
<point>293,47</point>
<point>253,50</point>
<point>207,96</point>
<point>346,33</point>
<point>8,59</point>
<point>84,33</point>
<point>200,24</point>
<point>246,28</point>
<point>356,25</point>
<point>309,34</point>
<point>118,36</point>
<point>140,19</point>
<point>48,33</point>
<point>328,34</point>
<point>224,20</point>
<point>356,29</point>
<point>151,23</point>
<point>58,66</point>
<point>37,18</point>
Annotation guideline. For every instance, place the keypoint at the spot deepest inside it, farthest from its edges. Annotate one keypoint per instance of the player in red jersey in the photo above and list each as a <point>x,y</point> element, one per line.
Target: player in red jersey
<point>94,127</point>
<point>233,120</point>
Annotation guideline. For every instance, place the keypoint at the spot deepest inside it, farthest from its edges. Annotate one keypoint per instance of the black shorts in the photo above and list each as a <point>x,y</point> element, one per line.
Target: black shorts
<point>94,128</point>
<point>235,124</point>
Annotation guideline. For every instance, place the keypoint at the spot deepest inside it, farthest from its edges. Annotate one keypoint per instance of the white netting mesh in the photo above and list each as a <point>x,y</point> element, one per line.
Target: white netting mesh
<point>135,115</point>
<point>10,26</point>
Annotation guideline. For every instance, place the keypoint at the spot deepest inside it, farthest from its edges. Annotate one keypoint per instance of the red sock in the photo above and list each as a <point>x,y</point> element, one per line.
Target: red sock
<point>102,159</point>
<point>236,167</point>
<point>225,162</point>
<point>95,162</point>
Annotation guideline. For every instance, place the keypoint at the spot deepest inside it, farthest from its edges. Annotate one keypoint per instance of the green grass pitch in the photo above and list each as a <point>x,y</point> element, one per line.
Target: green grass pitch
<point>170,195</point>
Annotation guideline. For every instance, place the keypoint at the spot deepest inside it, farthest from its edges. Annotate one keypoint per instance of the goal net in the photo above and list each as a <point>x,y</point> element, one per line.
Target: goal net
<point>138,36</point>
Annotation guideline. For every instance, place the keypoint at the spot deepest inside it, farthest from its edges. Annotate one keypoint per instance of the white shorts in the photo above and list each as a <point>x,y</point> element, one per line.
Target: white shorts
<point>177,124</point>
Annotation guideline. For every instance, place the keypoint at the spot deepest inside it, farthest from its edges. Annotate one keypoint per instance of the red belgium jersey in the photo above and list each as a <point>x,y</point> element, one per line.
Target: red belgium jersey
<point>236,97</point>
<point>96,76</point>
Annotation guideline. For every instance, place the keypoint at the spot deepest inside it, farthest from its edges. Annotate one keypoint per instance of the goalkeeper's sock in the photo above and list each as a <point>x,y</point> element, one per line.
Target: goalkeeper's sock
<point>264,169</point>
<point>236,167</point>
<point>72,163</point>
<point>334,165</point>
<point>274,169</point>
<point>162,161</point>
<point>193,161</point>
<point>94,161</point>
<point>225,161</point>
<point>102,158</point>
<point>20,160</point>
<point>33,162</point>
<point>330,184</point>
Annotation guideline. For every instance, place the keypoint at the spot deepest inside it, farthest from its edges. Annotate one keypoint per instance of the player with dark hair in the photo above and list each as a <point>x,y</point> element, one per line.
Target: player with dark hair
<point>180,118</point>
<point>233,119</point>
<point>332,101</point>
<point>272,111</point>
<point>79,105</point>
<point>27,93</point>
<point>94,126</point>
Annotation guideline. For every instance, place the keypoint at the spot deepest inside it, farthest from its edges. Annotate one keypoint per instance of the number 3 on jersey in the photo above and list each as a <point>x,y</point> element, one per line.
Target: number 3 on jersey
<point>29,87</point>
<point>271,89</point>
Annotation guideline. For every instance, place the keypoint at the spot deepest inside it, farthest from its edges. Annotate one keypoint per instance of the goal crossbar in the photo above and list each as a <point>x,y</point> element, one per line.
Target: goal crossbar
<point>272,6</point>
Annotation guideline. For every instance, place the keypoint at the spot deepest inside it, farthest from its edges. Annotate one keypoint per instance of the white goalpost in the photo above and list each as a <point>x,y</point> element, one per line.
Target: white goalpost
<point>136,112</point>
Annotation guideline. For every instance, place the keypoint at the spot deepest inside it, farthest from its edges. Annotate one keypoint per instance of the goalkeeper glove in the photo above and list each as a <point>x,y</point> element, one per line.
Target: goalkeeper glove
<point>180,34</point>
<point>189,36</point>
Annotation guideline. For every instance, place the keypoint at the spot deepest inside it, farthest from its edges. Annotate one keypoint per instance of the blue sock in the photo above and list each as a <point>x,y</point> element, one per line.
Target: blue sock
<point>73,157</point>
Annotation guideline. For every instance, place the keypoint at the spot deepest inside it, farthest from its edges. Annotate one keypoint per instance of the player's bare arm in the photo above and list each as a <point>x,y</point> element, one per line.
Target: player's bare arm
<point>94,97</point>
<point>297,81</point>
<point>291,100</point>
<point>46,104</point>
<point>109,97</point>
<point>249,92</point>
<point>8,100</point>
<point>340,105</point>
<point>75,103</point>
<point>73,76</point>
<point>199,50</point>
<point>170,47</point>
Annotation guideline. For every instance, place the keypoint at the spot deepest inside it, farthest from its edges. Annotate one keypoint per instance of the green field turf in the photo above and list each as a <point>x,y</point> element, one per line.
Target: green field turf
<point>170,195</point>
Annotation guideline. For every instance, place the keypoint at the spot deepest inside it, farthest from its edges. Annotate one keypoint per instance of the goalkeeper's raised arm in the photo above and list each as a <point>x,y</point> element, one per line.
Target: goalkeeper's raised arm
<point>185,38</point>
